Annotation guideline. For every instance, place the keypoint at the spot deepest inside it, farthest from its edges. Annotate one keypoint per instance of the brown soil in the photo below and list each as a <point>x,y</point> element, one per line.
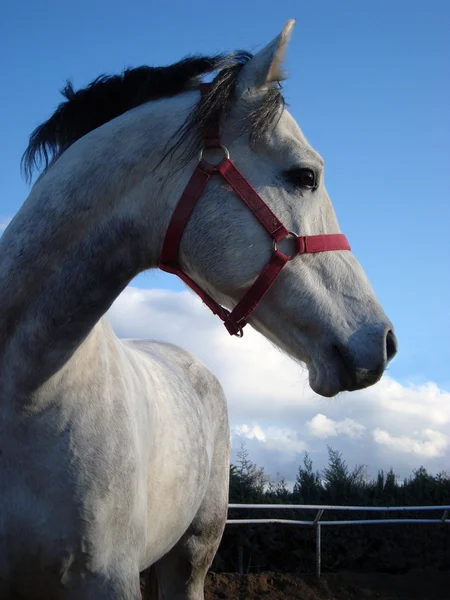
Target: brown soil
<point>417,585</point>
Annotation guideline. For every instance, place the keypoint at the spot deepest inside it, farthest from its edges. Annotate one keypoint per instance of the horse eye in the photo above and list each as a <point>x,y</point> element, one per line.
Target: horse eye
<point>305,178</point>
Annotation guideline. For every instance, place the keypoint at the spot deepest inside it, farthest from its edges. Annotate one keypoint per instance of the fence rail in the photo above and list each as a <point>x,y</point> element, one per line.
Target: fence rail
<point>317,523</point>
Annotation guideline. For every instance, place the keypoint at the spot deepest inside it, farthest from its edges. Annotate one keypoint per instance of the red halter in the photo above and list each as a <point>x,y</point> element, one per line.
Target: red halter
<point>235,320</point>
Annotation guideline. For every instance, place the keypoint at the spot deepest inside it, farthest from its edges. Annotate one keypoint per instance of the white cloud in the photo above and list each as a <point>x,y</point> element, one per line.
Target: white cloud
<point>432,444</point>
<point>322,427</point>
<point>421,402</point>
<point>282,440</point>
<point>271,405</point>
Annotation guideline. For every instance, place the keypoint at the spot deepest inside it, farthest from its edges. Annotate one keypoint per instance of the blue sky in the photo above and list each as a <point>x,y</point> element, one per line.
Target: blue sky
<point>368,85</point>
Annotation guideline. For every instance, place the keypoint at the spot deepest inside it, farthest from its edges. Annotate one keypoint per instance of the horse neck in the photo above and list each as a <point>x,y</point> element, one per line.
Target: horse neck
<point>91,223</point>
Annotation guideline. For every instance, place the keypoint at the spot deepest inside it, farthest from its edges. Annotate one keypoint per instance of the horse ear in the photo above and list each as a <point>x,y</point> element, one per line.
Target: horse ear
<point>266,66</point>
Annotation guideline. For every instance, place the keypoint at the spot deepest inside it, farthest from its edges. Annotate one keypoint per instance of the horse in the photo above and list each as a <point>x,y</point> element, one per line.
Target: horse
<point>114,454</point>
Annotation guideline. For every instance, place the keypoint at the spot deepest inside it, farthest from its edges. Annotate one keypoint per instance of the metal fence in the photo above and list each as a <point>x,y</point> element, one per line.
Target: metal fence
<point>318,524</point>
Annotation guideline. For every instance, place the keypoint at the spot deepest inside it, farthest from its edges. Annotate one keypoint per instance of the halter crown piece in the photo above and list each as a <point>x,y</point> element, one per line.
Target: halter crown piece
<point>235,320</point>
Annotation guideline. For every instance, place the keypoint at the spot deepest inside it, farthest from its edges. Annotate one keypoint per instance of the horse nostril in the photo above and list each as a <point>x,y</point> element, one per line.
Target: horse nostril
<point>391,345</point>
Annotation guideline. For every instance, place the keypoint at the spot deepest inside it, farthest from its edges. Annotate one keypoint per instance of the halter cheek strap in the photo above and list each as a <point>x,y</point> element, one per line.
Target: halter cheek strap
<point>236,319</point>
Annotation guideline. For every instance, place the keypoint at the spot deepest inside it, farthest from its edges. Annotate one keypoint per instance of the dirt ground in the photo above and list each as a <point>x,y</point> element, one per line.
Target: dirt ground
<point>417,585</point>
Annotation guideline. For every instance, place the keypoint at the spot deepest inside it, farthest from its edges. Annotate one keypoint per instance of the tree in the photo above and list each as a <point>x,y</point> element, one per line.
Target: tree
<point>307,487</point>
<point>247,481</point>
<point>420,487</point>
<point>277,491</point>
<point>341,485</point>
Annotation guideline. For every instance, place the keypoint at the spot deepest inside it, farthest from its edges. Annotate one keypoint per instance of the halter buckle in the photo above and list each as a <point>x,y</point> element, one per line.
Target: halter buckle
<point>233,327</point>
<point>239,333</point>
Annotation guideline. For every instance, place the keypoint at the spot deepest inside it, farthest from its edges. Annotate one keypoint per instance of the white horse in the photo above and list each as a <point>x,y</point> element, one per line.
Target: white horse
<point>114,455</point>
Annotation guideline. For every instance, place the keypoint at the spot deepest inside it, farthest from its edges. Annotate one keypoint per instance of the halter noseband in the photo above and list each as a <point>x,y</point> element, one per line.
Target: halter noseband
<point>235,320</point>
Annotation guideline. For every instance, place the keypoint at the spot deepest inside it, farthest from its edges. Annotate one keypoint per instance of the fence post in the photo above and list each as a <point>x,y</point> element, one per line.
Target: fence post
<point>318,551</point>
<point>318,543</point>
<point>240,559</point>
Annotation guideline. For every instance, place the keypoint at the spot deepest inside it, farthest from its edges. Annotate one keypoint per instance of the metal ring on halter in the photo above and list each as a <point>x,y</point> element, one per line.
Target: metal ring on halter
<point>223,148</point>
<point>239,329</point>
<point>239,333</point>
<point>290,234</point>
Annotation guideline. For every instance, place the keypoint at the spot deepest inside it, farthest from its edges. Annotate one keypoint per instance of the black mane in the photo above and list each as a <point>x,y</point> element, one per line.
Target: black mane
<point>107,97</point>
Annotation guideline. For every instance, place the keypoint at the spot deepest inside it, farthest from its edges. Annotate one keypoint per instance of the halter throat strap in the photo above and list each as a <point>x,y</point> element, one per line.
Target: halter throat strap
<point>235,320</point>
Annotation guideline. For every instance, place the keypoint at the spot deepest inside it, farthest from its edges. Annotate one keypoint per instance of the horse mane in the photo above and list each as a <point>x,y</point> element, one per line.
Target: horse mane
<point>109,96</point>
